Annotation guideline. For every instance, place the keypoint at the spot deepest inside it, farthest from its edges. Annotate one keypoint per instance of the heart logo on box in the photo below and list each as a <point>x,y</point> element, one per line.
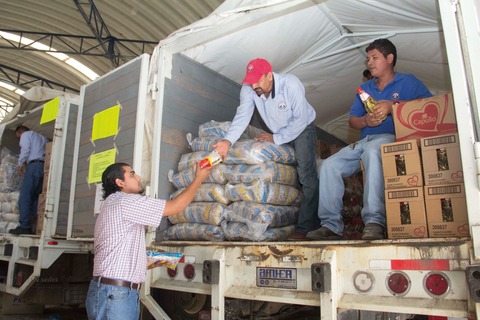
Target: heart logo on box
<point>413,181</point>
<point>457,176</point>
<point>463,229</point>
<point>426,118</point>
<point>420,231</point>
<point>430,118</point>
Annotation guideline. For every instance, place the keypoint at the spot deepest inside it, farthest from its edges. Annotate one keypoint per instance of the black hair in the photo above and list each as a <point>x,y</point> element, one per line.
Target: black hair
<point>367,74</point>
<point>21,128</point>
<point>112,172</point>
<point>385,46</point>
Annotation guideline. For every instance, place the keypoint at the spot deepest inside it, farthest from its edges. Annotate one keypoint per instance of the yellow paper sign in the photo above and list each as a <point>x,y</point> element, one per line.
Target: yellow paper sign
<point>105,123</point>
<point>50,110</point>
<point>98,163</point>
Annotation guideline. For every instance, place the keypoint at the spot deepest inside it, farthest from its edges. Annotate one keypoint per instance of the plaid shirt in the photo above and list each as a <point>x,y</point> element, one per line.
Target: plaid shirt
<point>119,237</point>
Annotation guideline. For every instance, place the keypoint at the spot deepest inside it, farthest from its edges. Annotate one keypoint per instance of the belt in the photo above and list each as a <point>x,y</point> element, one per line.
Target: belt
<point>116,282</point>
<point>36,160</point>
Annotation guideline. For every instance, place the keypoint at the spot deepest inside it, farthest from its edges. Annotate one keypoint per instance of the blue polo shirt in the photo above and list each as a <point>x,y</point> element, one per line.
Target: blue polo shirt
<point>286,111</point>
<point>403,87</point>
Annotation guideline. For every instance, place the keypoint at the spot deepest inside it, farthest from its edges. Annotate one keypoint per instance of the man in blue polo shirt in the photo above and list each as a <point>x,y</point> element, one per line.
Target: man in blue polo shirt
<point>280,101</point>
<point>30,165</point>
<point>387,87</point>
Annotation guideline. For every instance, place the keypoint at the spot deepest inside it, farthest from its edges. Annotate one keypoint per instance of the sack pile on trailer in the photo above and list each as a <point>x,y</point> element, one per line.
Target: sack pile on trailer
<point>253,195</point>
<point>10,183</point>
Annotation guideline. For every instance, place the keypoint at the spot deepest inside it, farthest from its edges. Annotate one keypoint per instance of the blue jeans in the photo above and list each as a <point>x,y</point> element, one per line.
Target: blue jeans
<point>305,145</point>
<point>29,191</point>
<point>107,302</point>
<point>345,163</point>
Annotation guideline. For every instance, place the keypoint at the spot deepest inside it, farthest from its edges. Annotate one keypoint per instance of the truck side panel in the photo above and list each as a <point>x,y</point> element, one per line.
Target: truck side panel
<point>120,87</point>
<point>64,199</point>
<point>193,95</point>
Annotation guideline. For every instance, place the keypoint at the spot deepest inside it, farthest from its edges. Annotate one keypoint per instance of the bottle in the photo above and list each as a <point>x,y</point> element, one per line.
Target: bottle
<point>212,159</point>
<point>368,101</point>
<point>400,165</point>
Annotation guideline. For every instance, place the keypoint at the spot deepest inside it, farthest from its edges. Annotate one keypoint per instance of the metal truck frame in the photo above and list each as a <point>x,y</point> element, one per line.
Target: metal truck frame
<point>337,275</point>
<point>169,95</point>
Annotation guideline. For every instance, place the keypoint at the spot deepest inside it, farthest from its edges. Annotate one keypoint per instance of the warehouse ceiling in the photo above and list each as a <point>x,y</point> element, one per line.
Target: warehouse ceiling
<point>100,34</point>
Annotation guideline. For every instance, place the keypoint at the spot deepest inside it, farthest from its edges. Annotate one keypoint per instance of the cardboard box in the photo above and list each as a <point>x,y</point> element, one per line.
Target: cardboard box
<point>441,159</point>
<point>322,149</point>
<point>45,181</point>
<point>334,149</point>
<point>402,167</point>
<point>40,222</point>
<point>46,166</point>
<point>48,157</point>
<point>424,118</point>
<point>447,210</point>
<point>42,201</point>
<point>406,217</point>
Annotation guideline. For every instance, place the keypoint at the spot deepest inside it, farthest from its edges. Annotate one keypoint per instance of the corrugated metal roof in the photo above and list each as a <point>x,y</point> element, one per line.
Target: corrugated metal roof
<point>146,20</point>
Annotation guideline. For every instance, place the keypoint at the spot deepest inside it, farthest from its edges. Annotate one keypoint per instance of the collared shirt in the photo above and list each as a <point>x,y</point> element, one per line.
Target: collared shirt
<point>119,236</point>
<point>32,147</point>
<point>404,86</point>
<point>286,111</point>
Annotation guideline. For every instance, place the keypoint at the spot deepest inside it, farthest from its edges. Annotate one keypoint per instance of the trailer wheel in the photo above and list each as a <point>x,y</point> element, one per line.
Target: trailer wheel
<point>190,303</point>
<point>181,305</point>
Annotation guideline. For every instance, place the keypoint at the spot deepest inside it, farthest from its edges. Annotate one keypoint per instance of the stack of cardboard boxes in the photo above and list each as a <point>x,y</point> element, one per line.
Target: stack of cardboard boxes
<point>42,198</point>
<point>444,188</point>
<point>424,191</point>
<point>404,200</point>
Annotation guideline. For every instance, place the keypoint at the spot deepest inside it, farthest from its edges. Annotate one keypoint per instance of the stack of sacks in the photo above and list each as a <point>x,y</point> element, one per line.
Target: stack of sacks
<point>258,190</point>
<point>201,219</point>
<point>10,183</point>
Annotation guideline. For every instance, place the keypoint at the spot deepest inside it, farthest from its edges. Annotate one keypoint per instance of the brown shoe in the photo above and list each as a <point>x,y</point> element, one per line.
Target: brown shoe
<point>373,231</point>
<point>323,234</point>
<point>297,236</point>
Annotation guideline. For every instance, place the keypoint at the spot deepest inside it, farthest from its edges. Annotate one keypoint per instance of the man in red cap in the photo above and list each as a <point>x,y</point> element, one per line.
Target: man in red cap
<point>281,103</point>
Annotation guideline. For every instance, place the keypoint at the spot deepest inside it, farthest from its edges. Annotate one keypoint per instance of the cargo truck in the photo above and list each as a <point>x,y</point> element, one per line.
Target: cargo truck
<point>193,77</point>
<point>40,269</point>
<point>345,279</point>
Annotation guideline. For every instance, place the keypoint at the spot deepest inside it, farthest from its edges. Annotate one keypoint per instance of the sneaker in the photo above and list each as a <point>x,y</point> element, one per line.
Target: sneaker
<point>297,236</point>
<point>19,230</point>
<point>373,231</point>
<point>323,234</point>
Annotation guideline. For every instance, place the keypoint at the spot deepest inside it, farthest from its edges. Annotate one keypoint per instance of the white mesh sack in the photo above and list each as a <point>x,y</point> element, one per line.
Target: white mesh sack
<point>208,192</point>
<point>268,172</point>
<point>194,231</point>
<point>264,192</point>
<point>201,212</point>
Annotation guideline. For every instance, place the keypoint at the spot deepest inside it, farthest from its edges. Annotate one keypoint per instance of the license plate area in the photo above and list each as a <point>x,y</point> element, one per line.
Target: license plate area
<point>285,278</point>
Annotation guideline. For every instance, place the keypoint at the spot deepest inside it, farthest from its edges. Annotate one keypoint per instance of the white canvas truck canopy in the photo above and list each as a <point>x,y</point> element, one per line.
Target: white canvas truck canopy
<point>322,43</point>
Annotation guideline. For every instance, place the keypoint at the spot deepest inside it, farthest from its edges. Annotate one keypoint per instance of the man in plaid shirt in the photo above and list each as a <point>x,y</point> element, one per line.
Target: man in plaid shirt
<point>120,263</point>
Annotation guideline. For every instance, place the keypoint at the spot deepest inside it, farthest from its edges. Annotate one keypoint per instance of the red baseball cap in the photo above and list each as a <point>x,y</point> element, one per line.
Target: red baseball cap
<point>255,70</point>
